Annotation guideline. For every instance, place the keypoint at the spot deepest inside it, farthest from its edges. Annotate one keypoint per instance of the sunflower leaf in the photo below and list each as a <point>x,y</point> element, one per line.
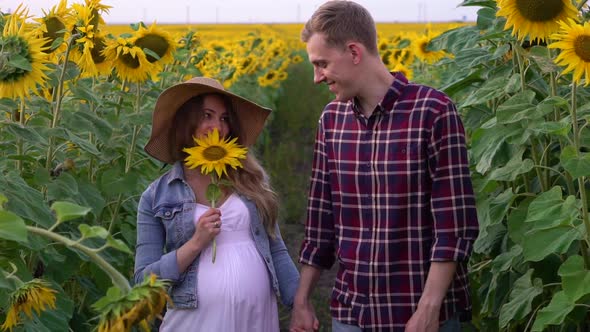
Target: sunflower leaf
<point>20,62</point>
<point>151,53</point>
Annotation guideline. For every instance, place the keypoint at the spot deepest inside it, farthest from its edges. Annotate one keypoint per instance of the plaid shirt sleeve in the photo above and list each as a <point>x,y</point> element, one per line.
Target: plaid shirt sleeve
<point>452,199</point>
<point>317,248</point>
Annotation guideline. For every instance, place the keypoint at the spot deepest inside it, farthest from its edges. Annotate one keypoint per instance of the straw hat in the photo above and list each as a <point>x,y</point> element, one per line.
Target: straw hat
<point>250,115</point>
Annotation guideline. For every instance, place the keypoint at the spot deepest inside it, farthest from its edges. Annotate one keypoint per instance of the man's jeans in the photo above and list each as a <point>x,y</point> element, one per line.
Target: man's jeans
<point>450,325</point>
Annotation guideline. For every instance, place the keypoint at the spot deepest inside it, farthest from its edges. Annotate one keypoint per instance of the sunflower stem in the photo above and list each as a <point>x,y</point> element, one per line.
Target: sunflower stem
<point>581,4</point>
<point>116,277</point>
<point>19,144</point>
<point>58,100</point>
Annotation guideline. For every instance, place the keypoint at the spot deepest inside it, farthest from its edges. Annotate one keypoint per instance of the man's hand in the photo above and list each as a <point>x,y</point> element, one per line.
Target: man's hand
<point>303,318</point>
<point>425,319</point>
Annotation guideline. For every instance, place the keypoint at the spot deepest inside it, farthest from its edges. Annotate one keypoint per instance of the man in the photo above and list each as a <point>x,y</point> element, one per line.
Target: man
<point>390,195</point>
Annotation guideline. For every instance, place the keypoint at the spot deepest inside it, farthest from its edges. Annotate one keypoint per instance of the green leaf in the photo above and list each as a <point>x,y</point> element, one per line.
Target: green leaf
<point>549,210</point>
<point>118,244</point>
<point>68,211</point>
<point>88,231</point>
<point>20,62</point>
<point>12,227</point>
<point>539,243</point>
<point>575,278</point>
<point>554,313</point>
<point>521,297</point>
<point>487,142</point>
<point>577,164</point>
<point>114,181</point>
<point>485,18</point>
<point>513,168</point>
<point>491,89</point>
<point>25,201</point>
<point>506,260</point>
<point>517,108</point>
<point>517,226</point>
<point>479,3</point>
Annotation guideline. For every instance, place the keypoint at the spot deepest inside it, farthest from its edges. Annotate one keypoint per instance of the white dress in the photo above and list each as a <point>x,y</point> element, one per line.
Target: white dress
<point>234,293</point>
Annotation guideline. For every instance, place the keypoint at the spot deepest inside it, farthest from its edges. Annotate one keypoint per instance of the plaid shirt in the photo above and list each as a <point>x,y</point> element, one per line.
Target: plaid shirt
<point>389,194</point>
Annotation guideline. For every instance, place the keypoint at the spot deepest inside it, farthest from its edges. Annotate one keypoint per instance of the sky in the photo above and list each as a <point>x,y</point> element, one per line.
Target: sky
<point>257,11</point>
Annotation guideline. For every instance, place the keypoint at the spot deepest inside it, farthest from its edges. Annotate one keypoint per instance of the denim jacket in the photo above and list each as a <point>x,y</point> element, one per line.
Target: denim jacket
<point>165,223</point>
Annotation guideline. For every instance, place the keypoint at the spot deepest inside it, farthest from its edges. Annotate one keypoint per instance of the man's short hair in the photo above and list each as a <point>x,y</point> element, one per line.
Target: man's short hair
<point>341,21</point>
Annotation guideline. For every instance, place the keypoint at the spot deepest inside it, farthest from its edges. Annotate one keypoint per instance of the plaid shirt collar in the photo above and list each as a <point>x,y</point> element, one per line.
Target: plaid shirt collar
<point>385,106</point>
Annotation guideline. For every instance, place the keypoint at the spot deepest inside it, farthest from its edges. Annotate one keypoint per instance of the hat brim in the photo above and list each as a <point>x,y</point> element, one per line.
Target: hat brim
<point>251,116</point>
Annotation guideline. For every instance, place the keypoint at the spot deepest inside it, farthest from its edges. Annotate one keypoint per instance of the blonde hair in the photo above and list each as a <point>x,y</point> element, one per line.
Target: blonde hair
<point>340,22</point>
<point>253,182</point>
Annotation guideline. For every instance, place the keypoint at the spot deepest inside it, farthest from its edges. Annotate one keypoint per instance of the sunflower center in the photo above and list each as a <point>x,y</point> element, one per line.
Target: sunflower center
<point>55,29</point>
<point>96,51</point>
<point>15,59</point>
<point>154,43</point>
<point>582,47</point>
<point>540,10</point>
<point>130,61</point>
<point>214,153</point>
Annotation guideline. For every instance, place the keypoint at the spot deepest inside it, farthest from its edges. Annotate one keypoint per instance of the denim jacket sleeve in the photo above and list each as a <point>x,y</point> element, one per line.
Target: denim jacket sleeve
<point>287,273</point>
<point>151,242</point>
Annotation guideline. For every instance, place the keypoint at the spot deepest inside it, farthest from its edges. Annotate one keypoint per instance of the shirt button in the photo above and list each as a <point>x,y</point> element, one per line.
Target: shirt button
<point>167,213</point>
<point>257,232</point>
<point>403,150</point>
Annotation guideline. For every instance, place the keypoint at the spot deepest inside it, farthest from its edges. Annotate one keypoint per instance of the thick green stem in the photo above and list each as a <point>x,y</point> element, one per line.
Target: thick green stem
<point>581,4</point>
<point>59,98</point>
<point>135,132</point>
<point>19,143</point>
<point>116,277</point>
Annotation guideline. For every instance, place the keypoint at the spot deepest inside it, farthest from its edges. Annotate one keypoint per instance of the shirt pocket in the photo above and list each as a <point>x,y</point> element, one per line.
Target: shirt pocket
<point>171,217</point>
<point>404,151</point>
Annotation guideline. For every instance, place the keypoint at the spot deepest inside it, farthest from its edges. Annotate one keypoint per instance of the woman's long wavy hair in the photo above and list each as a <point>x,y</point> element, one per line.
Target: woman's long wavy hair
<point>251,180</point>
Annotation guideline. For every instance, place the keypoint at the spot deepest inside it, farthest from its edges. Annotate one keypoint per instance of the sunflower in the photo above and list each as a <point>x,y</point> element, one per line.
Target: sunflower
<point>420,45</point>
<point>535,18</point>
<point>141,305</point>
<point>89,55</point>
<point>213,153</point>
<point>54,25</point>
<point>22,60</point>
<point>573,40</point>
<point>35,295</point>
<point>407,72</point>
<point>130,61</point>
<point>157,41</point>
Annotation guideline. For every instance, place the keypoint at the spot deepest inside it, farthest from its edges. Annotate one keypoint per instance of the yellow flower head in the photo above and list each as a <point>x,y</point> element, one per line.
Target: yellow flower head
<point>420,48</point>
<point>35,295</point>
<point>22,60</point>
<point>55,24</point>
<point>535,18</point>
<point>156,40</point>
<point>213,153</point>
<point>129,60</point>
<point>573,40</point>
<point>138,307</point>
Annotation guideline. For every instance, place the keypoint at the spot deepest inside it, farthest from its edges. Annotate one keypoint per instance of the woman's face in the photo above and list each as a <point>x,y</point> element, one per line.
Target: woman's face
<point>214,115</point>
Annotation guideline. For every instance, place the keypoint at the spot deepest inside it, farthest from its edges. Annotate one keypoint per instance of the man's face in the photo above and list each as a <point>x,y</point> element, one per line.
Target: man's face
<point>333,66</point>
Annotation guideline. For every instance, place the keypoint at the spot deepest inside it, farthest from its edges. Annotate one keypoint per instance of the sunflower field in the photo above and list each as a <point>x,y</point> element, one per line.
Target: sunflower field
<point>76,97</point>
